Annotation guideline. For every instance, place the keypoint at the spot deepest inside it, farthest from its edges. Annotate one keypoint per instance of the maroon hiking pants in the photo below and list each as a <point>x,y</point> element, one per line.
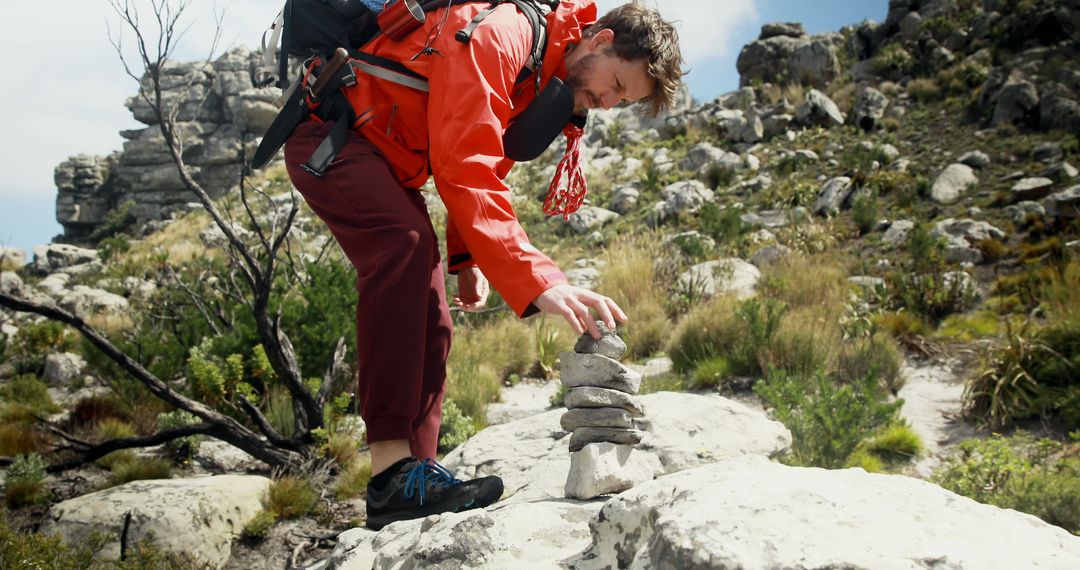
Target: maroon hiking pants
<point>403,325</point>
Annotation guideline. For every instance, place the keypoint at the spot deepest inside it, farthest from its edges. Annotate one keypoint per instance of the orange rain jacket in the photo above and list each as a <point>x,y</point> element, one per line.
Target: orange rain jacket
<point>455,130</point>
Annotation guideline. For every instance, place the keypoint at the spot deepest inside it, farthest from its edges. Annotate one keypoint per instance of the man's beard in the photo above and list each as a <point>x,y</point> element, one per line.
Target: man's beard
<point>575,76</point>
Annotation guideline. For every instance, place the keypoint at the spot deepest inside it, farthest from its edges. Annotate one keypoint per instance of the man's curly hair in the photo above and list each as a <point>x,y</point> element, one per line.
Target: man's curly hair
<point>640,33</point>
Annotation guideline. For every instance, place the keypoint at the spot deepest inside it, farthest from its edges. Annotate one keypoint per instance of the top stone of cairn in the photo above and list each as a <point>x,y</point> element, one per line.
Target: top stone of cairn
<point>609,345</point>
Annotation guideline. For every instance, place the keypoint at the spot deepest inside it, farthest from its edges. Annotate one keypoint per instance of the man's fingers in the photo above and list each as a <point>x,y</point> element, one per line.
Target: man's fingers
<point>604,311</point>
<point>572,318</point>
<point>582,311</point>
<point>616,310</point>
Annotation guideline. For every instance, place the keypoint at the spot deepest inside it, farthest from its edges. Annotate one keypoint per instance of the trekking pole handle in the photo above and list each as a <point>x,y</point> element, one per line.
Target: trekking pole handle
<point>327,74</point>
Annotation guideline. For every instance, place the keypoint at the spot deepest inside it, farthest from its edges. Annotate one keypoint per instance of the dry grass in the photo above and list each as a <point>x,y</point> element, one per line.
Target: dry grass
<point>111,324</point>
<point>353,481</point>
<point>707,331</point>
<point>812,281</point>
<point>179,242</point>
<point>629,277</point>
<point>772,94</point>
<point>844,96</point>
<point>806,341</point>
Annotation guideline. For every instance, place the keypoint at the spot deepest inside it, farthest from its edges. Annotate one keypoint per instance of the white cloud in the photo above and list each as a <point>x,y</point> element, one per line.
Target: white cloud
<point>65,87</point>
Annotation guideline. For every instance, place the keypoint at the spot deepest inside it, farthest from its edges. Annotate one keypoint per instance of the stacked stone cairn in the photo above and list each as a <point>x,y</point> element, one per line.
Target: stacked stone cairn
<point>602,409</point>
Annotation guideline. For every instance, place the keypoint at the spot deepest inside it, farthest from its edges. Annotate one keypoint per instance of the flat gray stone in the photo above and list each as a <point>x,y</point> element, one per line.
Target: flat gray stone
<point>596,417</point>
<point>592,397</point>
<point>606,468</point>
<point>1030,189</point>
<point>609,345</point>
<point>975,159</point>
<point>587,435</point>
<point>1064,205</point>
<point>595,370</point>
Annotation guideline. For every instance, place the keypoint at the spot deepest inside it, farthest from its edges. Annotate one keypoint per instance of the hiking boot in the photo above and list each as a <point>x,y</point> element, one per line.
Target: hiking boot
<point>421,488</point>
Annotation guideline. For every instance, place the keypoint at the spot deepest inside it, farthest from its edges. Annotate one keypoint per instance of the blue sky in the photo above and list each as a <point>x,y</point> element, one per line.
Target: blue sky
<point>76,100</point>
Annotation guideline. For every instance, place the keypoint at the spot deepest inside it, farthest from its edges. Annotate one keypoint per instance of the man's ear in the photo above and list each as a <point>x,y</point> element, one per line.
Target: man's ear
<point>601,39</point>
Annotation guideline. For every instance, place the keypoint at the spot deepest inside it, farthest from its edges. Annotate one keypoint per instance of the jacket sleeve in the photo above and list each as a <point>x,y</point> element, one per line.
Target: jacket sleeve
<point>468,107</point>
<point>458,255</point>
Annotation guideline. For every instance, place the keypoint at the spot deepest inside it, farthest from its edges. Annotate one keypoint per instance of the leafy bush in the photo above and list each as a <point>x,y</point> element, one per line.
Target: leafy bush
<point>259,526</point>
<point>933,295</point>
<point>1007,386</point>
<point>184,447</point>
<point>139,469</point>
<point>291,496</point>
<point>353,481</point>
<point>865,211</point>
<point>875,355</point>
<point>29,391</point>
<point>34,341</point>
<point>456,427</point>
<point>924,89</point>
<point>721,224</point>
<point>315,318</point>
<point>25,482</point>
<point>1019,473</point>
<point>896,444</point>
<point>827,419</point>
<point>710,373</point>
<point>893,61</point>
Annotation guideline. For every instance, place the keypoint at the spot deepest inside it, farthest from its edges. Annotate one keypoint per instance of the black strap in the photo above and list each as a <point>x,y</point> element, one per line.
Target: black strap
<point>465,34</point>
<point>329,148</point>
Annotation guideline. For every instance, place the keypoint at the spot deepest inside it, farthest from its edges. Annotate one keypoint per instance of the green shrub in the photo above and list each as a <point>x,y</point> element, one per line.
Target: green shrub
<point>875,355</point>
<point>719,177</point>
<point>1019,473</point>
<point>456,427</point>
<point>710,374</point>
<point>897,444</point>
<point>139,469</point>
<point>924,90</point>
<point>29,391</point>
<point>558,399</point>
<point>970,326</point>
<point>866,461</point>
<point>37,340</point>
<point>827,419</point>
<point>893,61</point>
<point>279,411</point>
<point>25,482</point>
<point>738,331</point>
<point>184,447</point>
<point>315,319</point>
<point>353,481</point>
<point>117,220</point>
<point>721,224</point>
<point>259,526</point>
<point>291,496</point>
<point>933,295</point>
<point>805,341</point>
<point>1006,386</point>
<point>865,211</point>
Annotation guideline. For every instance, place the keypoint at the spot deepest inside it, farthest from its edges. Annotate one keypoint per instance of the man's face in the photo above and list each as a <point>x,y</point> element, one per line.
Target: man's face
<point>600,79</point>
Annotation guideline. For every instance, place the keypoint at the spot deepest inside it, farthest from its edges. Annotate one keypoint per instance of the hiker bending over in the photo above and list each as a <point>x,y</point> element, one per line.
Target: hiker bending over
<point>454,131</point>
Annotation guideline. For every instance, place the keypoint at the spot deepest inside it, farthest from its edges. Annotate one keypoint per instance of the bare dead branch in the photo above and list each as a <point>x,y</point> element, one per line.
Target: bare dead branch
<point>163,436</point>
<point>333,372</point>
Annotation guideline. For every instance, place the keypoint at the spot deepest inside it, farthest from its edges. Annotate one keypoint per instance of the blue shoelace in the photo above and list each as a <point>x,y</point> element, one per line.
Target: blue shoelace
<point>424,471</point>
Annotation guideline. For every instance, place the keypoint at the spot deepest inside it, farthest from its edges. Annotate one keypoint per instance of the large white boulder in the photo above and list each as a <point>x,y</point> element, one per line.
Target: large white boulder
<point>729,275</point>
<point>748,512</point>
<point>199,517</point>
<point>952,183</point>
<point>681,431</point>
<point>521,535</point>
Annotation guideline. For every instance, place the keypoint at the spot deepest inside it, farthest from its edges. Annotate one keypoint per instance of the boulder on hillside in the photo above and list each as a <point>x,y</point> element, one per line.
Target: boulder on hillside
<point>952,183</point>
<point>1026,189</point>
<point>731,275</point>
<point>975,159</point>
<point>784,58</point>
<point>56,256</point>
<point>870,106</point>
<point>898,232</point>
<point>12,257</point>
<point>590,218</point>
<point>86,302</point>
<point>833,196</point>
<point>1017,103</point>
<point>62,368</point>
<point>199,517</point>
<point>748,512</point>
<point>681,431</point>
<point>817,110</point>
<point>680,198</point>
<point>1064,205</point>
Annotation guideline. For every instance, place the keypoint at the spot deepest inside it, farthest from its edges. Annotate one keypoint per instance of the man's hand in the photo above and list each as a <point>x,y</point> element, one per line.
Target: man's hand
<point>472,288</point>
<point>573,304</point>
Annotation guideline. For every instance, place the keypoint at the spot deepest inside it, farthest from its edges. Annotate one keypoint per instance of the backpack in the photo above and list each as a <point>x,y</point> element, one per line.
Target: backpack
<point>329,32</point>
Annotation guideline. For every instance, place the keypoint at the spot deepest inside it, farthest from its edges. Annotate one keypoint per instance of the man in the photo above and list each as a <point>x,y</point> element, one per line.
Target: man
<point>369,200</point>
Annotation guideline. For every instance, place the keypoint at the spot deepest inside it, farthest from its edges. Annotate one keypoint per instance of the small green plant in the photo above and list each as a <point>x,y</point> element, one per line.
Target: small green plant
<point>662,383</point>
<point>1005,388</point>
<point>865,212</point>
<point>721,224</point>
<point>558,399</point>
<point>291,496</point>
<point>893,61</point>
<point>139,469</point>
<point>896,444</point>
<point>1017,472</point>
<point>710,373</point>
<point>875,355</point>
<point>827,419</point>
<point>279,410</point>
<point>353,481</point>
<point>29,391</point>
<point>456,427</point>
<point>259,526</point>
<point>547,348</point>
<point>25,482</point>
<point>185,447</point>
